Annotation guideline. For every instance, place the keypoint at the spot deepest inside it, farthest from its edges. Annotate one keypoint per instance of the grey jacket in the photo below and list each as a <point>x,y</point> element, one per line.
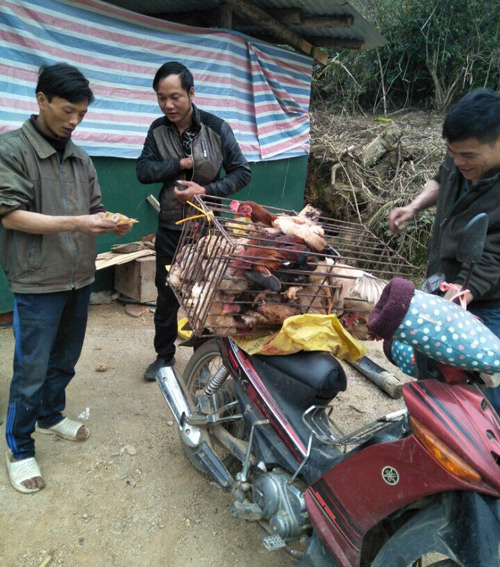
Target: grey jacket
<point>32,178</point>
<point>455,209</point>
<point>213,148</point>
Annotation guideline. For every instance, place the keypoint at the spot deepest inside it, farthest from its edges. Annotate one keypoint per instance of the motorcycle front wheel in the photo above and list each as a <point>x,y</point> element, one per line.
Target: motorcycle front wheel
<point>443,563</point>
<point>201,368</point>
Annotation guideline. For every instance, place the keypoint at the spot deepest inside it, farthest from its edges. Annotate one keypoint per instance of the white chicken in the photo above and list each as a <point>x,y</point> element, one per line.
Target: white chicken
<point>304,226</point>
<point>355,295</point>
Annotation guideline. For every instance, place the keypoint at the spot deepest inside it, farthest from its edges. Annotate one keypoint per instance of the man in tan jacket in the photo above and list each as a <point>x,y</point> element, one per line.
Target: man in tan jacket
<point>51,212</point>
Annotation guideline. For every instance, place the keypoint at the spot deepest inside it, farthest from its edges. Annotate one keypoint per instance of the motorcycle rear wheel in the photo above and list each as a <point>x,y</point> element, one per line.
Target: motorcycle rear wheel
<point>200,369</point>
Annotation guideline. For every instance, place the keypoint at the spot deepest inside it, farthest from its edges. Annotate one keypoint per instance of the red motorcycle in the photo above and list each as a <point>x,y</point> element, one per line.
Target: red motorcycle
<point>419,487</point>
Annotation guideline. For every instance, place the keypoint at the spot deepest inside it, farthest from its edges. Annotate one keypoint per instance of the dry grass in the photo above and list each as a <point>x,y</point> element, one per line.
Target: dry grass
<point>344,187</point>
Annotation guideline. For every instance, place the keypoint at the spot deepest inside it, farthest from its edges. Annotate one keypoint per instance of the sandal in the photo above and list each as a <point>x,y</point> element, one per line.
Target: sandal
<point>67,429</point>
<point>20,471</point>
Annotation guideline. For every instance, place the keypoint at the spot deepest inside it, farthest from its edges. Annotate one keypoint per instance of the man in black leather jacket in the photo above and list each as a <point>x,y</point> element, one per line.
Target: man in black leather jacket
<point>185,150</point>
<point>467,183</point>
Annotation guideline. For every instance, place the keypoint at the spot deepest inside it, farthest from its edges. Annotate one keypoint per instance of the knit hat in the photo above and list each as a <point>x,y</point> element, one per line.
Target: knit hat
<point>391,308</point>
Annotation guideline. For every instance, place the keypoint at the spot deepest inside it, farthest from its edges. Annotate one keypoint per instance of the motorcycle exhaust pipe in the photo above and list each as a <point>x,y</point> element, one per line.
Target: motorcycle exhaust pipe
<point>191,434</point>
<point>176,401</point>
<point>173,394</point>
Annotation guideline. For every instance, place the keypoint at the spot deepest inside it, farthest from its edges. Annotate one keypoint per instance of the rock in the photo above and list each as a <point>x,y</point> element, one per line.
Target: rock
<point>383,143</point>
<point>129,449</point>
<point>101,367</point>
<point>102,297</point>
<point>135,310</point>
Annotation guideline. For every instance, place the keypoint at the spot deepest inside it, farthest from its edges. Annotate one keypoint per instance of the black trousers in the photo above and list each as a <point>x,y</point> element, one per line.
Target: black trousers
<point>167,305</point>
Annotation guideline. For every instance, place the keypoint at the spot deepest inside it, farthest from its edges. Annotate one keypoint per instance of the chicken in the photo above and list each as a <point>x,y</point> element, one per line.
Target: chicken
<point>231,283</point>
<point>268,310</point>
<point>181,271</point>
<point>303,227</point>
<point>256,212</point>
<point>273,253</point>
<point>291,293</point>
<point>309,212</point>
<point>276,313</point>
<point>356,294</point>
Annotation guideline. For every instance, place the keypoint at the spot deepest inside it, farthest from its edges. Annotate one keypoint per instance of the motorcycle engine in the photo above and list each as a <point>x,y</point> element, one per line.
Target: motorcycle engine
<point>283,505</point>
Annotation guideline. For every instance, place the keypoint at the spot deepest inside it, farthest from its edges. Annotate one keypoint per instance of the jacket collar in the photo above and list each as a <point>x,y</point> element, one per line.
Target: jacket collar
<point>42,146</point>
<point>196,118</point>
<point>495,178</point>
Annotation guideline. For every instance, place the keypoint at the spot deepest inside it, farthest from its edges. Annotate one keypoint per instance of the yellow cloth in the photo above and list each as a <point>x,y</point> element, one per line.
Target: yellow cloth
<point>306,332</point>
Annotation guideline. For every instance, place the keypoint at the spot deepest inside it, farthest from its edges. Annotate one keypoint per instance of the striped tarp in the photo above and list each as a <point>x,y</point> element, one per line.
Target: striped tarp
<point>260,89</point>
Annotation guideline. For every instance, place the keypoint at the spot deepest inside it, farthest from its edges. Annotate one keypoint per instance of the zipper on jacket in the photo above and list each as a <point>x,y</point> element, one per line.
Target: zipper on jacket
<point>71,245</point>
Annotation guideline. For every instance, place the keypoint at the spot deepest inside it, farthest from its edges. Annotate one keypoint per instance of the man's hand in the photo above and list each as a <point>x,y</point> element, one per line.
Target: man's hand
<point>424,200</point>
<point>398,216</point>
<point>122,229</point>
<point>191,189</point>
<point>187,163</point>
<point>451,292</point>
<point>93,225</point>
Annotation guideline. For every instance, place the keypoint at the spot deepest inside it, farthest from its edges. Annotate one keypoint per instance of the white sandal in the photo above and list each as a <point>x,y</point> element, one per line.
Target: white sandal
<point>67,429</point>
<point>20,471</point>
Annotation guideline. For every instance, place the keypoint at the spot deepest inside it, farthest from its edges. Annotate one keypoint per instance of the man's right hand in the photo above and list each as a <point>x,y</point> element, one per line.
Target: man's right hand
<point>187,163</point>
<point>398,216</point>
<point>93,225</point>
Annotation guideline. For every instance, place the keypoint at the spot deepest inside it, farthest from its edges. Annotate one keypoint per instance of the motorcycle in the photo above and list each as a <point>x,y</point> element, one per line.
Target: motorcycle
<point>417,487</point>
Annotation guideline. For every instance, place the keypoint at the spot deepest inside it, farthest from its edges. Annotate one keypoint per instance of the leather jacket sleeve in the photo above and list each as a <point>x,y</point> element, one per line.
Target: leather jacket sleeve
<point>237,170</point>
<point>151,167</point>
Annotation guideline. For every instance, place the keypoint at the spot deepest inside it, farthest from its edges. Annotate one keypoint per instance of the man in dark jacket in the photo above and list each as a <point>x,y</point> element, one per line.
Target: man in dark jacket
<point>185,150</point>
<point>467,183</point>
<point>50,205</point>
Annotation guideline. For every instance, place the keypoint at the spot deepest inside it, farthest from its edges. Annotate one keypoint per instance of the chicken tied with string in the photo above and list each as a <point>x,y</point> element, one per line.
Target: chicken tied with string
<point>262,268</point>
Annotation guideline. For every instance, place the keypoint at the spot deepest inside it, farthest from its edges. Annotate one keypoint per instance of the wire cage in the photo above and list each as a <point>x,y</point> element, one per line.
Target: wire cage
<point>239,268</point>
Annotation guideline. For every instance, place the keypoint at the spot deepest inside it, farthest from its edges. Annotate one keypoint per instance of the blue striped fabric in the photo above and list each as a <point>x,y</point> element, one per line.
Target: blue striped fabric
<point>260,89</point>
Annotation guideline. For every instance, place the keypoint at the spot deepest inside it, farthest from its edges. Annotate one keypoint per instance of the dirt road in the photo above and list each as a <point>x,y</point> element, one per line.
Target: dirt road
<point>127,497</point>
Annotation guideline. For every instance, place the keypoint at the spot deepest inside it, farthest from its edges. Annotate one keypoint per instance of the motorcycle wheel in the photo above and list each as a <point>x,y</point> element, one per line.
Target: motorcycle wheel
<point>441,563</point>
<point>200,369</point>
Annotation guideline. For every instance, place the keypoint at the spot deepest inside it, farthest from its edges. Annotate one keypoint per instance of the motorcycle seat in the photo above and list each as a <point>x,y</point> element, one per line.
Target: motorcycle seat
<point>317,370</point>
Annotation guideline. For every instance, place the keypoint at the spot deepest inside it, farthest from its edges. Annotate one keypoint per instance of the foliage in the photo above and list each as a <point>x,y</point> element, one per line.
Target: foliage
<point>345,183</point>
<point>437,51</point>
<point>412,242</point>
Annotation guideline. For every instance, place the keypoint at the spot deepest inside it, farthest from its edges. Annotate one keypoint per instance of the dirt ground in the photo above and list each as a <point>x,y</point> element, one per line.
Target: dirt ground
<point>128,497</point>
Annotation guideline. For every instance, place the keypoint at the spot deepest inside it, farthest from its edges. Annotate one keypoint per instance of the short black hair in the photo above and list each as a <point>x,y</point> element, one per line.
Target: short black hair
<point>64,81</point>
<point>174,68</point>
<point>476,115</point>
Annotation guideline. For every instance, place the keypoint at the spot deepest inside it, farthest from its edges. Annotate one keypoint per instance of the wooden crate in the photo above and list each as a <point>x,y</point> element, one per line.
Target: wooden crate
<point>136,279</point>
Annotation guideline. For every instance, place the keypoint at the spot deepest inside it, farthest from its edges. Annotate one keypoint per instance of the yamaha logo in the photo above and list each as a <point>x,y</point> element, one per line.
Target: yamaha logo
<point>390,475</point>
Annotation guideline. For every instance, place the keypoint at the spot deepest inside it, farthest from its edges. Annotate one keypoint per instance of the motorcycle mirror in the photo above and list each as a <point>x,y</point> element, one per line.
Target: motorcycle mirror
<point>472,239</point>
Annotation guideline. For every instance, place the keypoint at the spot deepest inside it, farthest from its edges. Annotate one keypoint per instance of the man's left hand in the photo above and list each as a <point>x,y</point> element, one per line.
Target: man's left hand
<point>122,229</point>
<point>452,292</point>
<point>191,189</point>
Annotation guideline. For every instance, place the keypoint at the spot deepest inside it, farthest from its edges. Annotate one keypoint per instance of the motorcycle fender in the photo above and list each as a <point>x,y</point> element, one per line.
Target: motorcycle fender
<point>464,526</point>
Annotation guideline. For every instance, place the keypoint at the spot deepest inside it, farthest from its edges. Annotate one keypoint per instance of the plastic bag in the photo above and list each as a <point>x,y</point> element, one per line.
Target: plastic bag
<point>309,333</point>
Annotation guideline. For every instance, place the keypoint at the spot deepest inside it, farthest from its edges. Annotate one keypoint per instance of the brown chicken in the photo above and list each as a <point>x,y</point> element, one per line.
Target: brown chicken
<point>273,252</point>
<point>253,210</point>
